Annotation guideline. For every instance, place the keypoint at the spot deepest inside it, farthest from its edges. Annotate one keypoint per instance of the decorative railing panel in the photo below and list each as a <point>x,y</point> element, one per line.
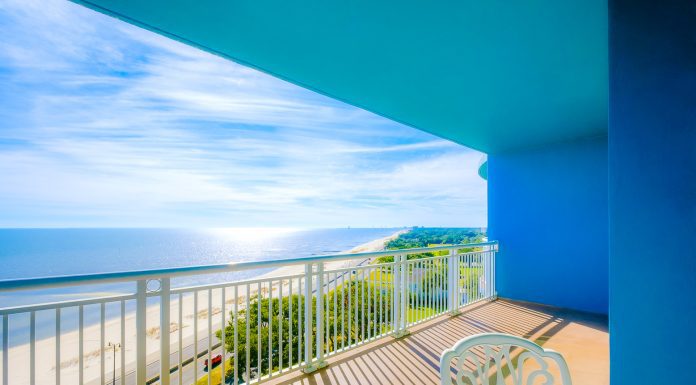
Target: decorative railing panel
<point>234,332</point>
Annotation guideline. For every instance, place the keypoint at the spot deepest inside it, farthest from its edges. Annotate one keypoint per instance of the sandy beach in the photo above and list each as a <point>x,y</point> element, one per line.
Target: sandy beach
<point>92,340</point>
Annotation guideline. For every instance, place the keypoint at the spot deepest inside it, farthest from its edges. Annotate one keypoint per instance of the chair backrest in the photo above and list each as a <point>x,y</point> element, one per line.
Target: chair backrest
<point>491,355</point>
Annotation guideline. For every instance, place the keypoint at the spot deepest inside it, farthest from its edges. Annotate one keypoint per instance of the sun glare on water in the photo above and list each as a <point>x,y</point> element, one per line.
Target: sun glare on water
<point>252,234</point>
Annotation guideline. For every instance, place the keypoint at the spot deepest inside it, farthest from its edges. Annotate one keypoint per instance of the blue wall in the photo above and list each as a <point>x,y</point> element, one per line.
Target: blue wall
<point>652,191</point>
<point>548,207</point>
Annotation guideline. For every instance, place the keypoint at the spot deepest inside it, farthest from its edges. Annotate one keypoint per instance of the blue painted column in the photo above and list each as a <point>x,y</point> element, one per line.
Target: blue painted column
<point>548,207</point>
<point>652,191</point>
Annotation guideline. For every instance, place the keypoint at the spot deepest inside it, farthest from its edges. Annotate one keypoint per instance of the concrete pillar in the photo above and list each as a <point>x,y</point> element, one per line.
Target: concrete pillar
<point>652,191</point>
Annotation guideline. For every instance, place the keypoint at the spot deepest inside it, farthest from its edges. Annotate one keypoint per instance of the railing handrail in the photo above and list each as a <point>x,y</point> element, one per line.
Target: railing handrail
<point>127,276</point>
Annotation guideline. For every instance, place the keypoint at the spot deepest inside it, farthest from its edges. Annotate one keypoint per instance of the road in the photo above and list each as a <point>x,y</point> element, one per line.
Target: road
<point>153,367</point>
<point>190,376</point>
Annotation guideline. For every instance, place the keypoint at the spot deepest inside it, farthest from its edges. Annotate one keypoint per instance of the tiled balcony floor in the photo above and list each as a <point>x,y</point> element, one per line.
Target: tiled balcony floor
<point>581,338</point>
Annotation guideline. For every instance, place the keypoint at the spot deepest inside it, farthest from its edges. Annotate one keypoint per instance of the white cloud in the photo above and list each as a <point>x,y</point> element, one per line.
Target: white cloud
<point>104,124</point>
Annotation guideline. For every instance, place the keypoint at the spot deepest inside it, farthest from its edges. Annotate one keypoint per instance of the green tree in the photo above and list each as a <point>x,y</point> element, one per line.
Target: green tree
<point>356,309</point>
<point>424,237</point>
<point>265,314</point>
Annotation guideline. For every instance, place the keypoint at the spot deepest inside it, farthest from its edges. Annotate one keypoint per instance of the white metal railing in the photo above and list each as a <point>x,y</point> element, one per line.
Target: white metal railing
<point>260,328</point>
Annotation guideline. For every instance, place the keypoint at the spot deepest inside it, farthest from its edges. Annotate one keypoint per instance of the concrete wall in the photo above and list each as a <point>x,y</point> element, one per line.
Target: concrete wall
<point>652,191</point>
<point>548,207</point>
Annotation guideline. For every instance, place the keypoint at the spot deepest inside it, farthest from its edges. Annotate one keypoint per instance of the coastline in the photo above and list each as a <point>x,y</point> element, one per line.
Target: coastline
<point>372,246</point>
<point>45,348</point>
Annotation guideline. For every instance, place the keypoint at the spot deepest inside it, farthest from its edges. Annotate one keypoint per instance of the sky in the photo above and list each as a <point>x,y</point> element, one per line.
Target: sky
<point>103,124</point>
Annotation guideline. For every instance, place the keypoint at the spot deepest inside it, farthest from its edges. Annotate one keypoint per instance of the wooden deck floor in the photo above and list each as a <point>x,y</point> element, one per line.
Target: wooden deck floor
<point>581,338</point>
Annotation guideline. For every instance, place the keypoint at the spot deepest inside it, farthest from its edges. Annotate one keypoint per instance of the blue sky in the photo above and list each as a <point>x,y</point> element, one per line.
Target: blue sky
<point>104,124</point>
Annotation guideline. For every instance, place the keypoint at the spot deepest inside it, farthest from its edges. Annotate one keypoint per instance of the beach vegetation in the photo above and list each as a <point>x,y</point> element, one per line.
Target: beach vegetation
<point>429,237</point>
<point>356,310</point>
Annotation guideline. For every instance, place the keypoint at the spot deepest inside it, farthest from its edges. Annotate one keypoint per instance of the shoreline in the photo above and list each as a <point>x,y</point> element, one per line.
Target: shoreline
<point>367,247</point>
<point>45,348</point>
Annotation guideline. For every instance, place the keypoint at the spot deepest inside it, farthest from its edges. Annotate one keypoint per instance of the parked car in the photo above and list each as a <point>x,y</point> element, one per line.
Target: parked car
<point>217,360</point>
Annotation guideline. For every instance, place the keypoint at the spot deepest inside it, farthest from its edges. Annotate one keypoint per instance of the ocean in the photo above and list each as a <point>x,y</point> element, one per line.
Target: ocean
<point>29,253</point>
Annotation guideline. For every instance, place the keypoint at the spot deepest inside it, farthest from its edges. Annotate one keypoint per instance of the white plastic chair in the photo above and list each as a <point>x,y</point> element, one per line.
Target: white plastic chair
<point>492,351</point>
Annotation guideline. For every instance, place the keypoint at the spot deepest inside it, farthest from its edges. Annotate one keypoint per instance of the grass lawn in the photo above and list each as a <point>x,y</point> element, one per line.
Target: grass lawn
<point>415,315</point>
<point>215,374</point>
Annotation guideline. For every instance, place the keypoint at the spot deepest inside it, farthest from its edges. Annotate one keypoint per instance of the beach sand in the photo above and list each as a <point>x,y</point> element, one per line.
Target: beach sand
<point>45,349</point>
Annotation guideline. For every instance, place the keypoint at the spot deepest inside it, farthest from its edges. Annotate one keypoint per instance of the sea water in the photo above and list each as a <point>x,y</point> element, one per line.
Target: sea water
<point>30,253</point>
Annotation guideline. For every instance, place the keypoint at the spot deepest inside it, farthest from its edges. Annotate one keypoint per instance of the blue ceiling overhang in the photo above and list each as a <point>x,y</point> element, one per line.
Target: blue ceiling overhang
<point>490,74</point>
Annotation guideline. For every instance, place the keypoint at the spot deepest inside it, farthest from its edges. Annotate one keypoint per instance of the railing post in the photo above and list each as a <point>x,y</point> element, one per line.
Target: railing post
<point>310,365</point>
<point>320,363</point>
<point>487,293</point>
<point>6,349</point>
<point>308,342</point>
<point>396,284</point>
<point>165,308</point>
<point>404,295</point>
<point>400,296</point>
<point>140,332</point>
<point>453,282</point>
<point>494,254</point>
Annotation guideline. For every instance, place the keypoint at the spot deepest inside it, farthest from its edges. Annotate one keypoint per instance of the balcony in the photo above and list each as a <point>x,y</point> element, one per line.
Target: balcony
<point>581,337</point>
<point>373,318</point>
